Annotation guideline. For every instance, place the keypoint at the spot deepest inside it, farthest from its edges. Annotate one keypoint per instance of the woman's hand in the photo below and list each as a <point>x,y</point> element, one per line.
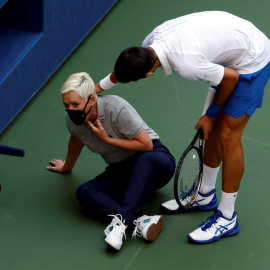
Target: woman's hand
<point>141,142</point>
<point>99,131</point>
<point>57,165</point>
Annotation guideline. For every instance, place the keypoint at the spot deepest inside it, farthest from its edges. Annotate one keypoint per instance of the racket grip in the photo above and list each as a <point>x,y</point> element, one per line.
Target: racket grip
<point>209,99</point>
<point>11,151</point>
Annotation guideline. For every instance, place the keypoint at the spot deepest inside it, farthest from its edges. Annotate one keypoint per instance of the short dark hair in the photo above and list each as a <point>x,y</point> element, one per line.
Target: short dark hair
<point>133,64</point>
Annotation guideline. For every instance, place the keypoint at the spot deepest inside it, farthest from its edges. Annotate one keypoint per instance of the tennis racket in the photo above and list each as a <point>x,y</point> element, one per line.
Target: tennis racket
<point>189,170</point>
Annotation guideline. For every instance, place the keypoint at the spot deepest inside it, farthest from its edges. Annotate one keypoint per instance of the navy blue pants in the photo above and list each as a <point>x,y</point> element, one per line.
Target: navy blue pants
<point>125,185</point>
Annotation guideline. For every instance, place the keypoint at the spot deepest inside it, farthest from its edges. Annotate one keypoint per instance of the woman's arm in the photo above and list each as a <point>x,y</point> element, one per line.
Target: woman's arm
<point>141,142</point>
<point>75,147</point>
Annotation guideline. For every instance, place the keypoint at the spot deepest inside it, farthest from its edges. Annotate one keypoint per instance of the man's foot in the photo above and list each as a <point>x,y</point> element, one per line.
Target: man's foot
<point>214,228</point>
<point>203,202</point>
<point>115,232</point>
<point>148,226</point>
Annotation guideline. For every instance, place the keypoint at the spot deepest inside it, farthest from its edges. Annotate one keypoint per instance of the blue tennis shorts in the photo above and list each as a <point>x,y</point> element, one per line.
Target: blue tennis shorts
<point>247,95</point>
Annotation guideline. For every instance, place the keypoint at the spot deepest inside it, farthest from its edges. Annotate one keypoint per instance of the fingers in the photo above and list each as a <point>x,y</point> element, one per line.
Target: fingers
<point>97,125</point>
<point>205,135</point>
<point>91,125</point>
<point>50,168</point>
<point>56,161</point>
<point>197,126</point>
<point>56,164</point>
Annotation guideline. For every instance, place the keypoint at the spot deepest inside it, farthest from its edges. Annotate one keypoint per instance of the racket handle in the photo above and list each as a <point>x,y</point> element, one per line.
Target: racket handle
<point>209,99</point>
<point>11,151</point>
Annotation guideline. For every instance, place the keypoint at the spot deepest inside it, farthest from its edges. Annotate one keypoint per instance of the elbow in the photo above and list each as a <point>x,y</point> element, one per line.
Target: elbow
<point>149,147</point>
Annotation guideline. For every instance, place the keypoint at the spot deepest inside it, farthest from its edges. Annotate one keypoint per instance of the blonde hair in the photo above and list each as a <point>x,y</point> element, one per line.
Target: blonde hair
<point>81,83</point>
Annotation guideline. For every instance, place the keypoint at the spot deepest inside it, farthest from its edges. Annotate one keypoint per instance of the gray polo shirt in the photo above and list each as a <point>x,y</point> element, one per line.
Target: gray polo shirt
<point>120,120</point>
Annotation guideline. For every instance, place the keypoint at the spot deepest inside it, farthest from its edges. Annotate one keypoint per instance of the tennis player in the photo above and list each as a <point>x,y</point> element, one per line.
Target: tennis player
<point>232,55</point>
<point>138,163</point>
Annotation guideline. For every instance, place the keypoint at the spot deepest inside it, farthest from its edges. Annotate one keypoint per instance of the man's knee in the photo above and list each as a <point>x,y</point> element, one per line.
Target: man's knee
<point>229,139</point>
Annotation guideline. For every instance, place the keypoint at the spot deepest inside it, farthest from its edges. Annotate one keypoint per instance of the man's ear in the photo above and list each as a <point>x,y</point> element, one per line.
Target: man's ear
<point>149,73</point>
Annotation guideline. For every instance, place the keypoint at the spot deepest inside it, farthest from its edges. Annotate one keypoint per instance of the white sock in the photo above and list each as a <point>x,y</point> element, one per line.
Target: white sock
<point>226,205</point>
<point>209,179</point>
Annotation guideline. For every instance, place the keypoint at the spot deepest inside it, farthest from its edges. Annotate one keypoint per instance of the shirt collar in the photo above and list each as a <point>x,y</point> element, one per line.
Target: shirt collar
<point>162,57</point>
<point>100,109</point>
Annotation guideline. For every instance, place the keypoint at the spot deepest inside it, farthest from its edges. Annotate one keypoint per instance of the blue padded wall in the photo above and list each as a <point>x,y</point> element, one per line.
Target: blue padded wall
<point>36,36</point>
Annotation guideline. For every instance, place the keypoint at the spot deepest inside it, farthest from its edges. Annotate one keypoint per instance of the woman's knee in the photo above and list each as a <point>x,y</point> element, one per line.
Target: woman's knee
<point>157,159</point>
<point>85,190</point>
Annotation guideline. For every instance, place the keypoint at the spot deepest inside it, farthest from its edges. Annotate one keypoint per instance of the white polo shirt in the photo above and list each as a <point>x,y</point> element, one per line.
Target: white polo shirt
<point>120,120</point>
<point>198,46</point>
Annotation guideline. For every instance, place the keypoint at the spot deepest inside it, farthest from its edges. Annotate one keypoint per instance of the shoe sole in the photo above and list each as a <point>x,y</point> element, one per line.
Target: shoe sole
<point>231,232</point>
<point>115,247</point>
<point>181,210</point>
<point>154,230</point>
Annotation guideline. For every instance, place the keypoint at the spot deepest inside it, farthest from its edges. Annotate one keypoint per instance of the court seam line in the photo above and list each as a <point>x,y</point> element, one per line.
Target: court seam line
<point>256,141</point>
<point>135,255</point>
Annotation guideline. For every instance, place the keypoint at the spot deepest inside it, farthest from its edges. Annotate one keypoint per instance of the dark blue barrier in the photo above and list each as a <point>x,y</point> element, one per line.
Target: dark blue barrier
<point>36,36</point>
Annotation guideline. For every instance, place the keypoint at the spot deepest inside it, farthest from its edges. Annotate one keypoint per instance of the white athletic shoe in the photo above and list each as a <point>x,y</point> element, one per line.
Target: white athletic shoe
<point>204,202</point>
<point>148,226</point>
<point>115,232</point>
<point>214,228</point>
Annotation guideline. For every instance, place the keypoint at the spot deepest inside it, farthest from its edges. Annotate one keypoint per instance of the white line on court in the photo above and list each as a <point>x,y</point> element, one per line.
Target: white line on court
<point>256,141</point>
<point>135,255</point>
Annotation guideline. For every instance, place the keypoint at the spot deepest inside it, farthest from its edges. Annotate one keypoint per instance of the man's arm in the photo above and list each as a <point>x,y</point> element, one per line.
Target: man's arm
<point>106,83</point>
<point>226,87</point>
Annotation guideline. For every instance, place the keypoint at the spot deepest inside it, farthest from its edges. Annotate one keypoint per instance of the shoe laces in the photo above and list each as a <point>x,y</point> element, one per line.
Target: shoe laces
<point>210,221</point>
<point>137,231</point>
<point>118,225</point>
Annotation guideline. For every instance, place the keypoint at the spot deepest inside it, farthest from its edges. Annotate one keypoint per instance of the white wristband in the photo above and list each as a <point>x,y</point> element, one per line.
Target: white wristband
<point>106,83</point>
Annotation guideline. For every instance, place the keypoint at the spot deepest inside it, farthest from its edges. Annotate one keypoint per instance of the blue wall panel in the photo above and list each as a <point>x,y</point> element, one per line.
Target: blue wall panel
<point>29,61</point>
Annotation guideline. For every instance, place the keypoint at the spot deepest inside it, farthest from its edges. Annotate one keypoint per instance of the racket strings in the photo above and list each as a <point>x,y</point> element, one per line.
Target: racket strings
<point>189,176</point>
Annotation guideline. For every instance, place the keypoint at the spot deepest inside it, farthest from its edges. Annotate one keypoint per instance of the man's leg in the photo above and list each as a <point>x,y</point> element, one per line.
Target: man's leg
<point>224,221</point>
<point>225,144</point>
<point>232,152</point>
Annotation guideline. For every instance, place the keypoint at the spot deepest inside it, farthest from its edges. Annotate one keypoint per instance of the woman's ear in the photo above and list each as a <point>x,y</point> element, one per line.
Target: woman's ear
<point>92,101</point>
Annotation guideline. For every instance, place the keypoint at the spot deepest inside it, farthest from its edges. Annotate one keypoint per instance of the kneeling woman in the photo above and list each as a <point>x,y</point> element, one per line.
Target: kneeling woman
<point>138,163</point>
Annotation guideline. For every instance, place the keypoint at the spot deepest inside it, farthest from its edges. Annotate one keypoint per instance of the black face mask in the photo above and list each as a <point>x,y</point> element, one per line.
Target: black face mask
<point>78,117</point>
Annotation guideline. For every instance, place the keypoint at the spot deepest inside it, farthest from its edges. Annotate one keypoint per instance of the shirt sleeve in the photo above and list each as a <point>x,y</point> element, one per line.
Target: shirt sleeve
<point>195,67</point>
<point>129,123</point>
<point>148,40</point>
<point>69,125</point>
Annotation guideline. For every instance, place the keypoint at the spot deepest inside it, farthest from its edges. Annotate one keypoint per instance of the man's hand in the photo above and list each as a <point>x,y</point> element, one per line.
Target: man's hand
<point>206,123</point>
<point>98,88</point>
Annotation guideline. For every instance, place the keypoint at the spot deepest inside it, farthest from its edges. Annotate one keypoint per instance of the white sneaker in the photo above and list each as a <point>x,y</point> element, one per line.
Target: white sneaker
<point>203,202</point>
<point>148,226</point>
<point>115,232</point>
<point>214,228</point>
